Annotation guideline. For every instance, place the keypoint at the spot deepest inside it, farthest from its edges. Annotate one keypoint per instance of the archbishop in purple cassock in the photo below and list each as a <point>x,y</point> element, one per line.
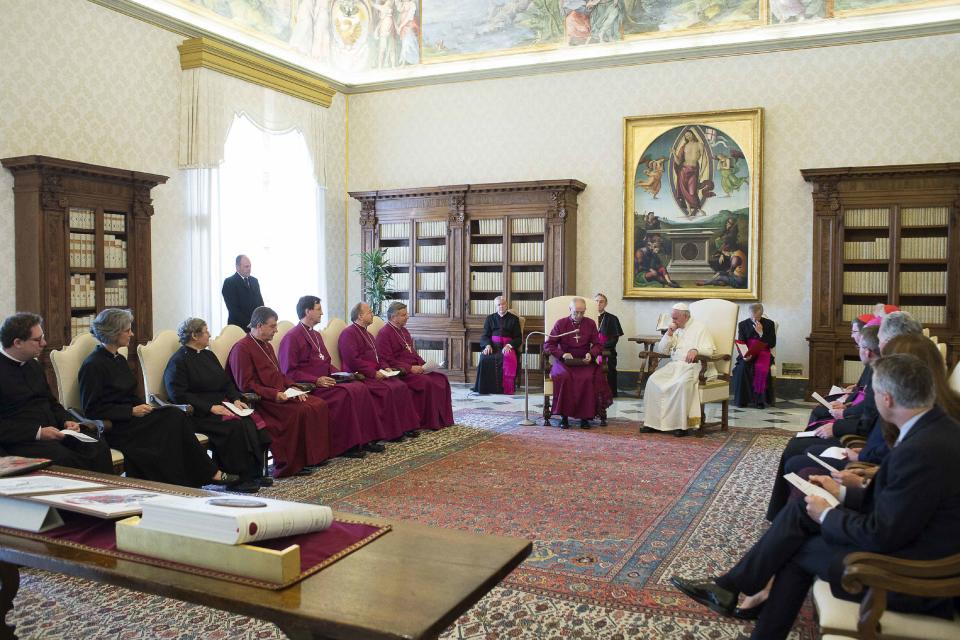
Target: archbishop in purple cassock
<point>358,354</point>
<point>431,390</point>
<point>353,419</point>
<point>578,391</point>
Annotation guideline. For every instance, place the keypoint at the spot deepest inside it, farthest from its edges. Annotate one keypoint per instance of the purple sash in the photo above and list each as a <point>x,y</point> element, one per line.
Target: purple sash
<point>509,364</point>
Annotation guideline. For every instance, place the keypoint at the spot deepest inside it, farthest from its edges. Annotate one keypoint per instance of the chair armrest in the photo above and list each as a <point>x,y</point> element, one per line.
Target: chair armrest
<point>250,398</point>
<point>94,425</point>
<point>714,358</point>
<point>305,386</point>
<point>853,441</point>
<point>879,574</point>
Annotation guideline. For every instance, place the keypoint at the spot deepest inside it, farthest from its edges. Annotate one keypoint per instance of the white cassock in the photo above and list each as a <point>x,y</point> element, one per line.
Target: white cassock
<point>671,400</point>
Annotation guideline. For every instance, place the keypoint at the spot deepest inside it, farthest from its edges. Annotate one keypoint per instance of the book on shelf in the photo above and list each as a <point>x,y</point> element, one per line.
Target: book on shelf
<point>490,227</point>
<point>107,503</point>
<point>923,216</point>
<point>878,249</point>
<point>527,226</point>
<point>927,314</point>
<point>527,280</point>
<point>82,247</point>
<point>82,218</point>
<point>432,306</point>
<point>923,282</point>
<point>432,253</point>
<point>233,520</point>
<point>486,252</point>
<point>923,248</point>
<point>399,282</point>
<point>395,231</point>
<point>80,325</point>
<point>83,290</point>
<point>115,222</point>
<point>398,255</point>
<point>486,281</point>
<point>428,281</point>
<point>865,282</point>
<point>431,229</point>
<point>866,217</point>
<point>528,307</point>
<point>527,252</point>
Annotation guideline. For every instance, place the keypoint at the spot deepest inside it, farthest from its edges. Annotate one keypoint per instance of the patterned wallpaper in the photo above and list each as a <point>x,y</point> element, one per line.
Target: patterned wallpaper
<point>880,103</point>
<point>86,83</point>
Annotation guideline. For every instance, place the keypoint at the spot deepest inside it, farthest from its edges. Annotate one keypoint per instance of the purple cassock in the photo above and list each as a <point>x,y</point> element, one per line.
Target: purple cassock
<point>431,391</point>
<point>298,429</point>
<point>353,419</point>
<point>394,403</point>
<point>578,391</point>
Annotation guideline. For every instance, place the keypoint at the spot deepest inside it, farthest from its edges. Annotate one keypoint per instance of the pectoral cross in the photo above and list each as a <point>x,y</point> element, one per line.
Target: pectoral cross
<point>576,337</point>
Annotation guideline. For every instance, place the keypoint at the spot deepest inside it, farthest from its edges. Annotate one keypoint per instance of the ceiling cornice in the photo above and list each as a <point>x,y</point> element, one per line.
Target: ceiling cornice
<point>765,39</point>
<point>228,59</point>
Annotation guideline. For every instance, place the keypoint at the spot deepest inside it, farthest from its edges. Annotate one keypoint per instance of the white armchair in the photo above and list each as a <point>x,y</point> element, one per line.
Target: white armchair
<point>153,362</point>
<point>282,327</point>
<point>221,345</point>
<point>720,316</point>
<point>331,338</point>
<point>376,325</point>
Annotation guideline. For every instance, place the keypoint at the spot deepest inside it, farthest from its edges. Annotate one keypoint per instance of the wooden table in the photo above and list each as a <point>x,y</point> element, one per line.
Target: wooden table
<point>647,343</point>
<point>412,582</point>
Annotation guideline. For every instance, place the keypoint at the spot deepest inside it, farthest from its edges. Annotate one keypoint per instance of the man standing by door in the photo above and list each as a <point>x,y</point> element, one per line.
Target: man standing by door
<point>241,293</point>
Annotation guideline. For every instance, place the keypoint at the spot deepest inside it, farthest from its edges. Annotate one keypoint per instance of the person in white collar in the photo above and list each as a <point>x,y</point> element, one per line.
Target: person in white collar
<point>671,401</point>
<point>32,423</point>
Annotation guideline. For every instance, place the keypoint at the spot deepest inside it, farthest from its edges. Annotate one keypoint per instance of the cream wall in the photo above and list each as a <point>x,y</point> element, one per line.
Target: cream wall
<point>882,103</point>
<point>81,82</point>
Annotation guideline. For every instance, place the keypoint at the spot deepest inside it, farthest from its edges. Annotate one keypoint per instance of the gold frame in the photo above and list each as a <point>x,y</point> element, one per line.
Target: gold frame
<point>639,132</point>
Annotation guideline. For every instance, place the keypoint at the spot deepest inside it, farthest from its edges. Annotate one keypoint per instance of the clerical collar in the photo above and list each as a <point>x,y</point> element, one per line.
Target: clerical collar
<point>19,362</point>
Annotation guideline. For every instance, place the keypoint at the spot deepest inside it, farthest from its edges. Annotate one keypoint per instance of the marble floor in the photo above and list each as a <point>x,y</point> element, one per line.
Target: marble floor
<point>789,413</point>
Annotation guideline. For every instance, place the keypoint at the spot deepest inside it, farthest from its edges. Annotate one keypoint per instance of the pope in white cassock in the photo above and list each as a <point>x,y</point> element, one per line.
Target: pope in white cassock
<point>671,400</point>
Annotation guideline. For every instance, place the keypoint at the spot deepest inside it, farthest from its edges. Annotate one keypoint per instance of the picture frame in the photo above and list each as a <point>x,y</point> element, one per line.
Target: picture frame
<point>692,205</point>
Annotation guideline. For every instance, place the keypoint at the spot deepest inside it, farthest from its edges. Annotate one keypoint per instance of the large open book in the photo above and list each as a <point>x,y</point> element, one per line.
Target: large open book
<point>233,520</point>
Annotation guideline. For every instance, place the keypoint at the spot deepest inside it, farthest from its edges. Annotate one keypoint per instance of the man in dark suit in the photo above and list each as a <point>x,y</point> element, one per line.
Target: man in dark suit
<point>32,423</point>
<point>241,292</point>
<point>610,330</point>
<point>911,510</point>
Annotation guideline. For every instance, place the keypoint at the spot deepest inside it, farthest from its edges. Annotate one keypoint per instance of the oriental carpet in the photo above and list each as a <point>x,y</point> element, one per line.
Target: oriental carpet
<point>613,515</point>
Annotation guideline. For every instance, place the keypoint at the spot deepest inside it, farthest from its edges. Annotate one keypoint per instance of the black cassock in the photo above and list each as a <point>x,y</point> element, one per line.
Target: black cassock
<point>490,367</point>
<point>743,394</point>
<point>26,404</point>
<point>159,446</point>
<point>196,378</point>
<point>609,327</point>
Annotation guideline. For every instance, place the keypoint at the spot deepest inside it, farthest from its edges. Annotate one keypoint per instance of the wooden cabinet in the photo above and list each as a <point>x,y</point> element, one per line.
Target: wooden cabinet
<point>453,249</point>
<point>82,243</point>
<point>882,234</point>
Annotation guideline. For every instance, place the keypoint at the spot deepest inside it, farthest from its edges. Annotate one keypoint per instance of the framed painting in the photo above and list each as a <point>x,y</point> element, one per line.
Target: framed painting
<point>691,219</point>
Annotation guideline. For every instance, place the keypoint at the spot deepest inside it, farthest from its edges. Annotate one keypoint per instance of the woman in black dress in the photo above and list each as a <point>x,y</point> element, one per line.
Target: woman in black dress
<point>157,444</point>
<point>194,376</point>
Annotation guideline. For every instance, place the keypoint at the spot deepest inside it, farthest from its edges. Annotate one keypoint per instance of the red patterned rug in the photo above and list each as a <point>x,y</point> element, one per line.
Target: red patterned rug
<point>613,515</point>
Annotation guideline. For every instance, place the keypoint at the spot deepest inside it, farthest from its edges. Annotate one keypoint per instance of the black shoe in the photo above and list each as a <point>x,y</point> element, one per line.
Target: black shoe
<point>564,423</point>
<point>752,613</point>
<point>355,452</point>
<point>247,486</point>
<point>306,471</point>
<point>709,594</point>
<point>647,429</point>
<point>761,405</point>
<point>679,432</point>
<point>584,424</point>
<point>226,479</point>
<point>412,434</point>
<point>374,447</point>
<point>264,481</point>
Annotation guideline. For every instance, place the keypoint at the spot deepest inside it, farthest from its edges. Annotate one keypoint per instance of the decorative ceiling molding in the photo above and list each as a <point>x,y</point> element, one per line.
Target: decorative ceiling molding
<point>213,54</point>
<point>923,22</point>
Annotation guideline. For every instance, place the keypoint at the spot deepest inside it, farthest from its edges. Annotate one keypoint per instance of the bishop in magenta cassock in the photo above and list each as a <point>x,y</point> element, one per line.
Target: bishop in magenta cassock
<point>358,354</point>
<point>297,425</point>
<point>354,422</point>
<point>431,390</point>
<point>578,391</point>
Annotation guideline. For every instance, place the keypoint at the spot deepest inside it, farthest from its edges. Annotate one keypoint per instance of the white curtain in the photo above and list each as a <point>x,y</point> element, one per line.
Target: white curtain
<point>210,104</point>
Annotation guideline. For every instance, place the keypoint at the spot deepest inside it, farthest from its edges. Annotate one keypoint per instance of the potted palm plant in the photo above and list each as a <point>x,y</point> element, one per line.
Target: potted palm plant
<point>374,269</point>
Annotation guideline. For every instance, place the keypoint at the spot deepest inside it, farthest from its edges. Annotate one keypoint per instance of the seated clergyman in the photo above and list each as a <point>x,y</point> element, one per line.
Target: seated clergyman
<point>910,510</point>
<point>32,423</point>
<point>671,400</point>
<point>578,391</point>
<point>497,367</point>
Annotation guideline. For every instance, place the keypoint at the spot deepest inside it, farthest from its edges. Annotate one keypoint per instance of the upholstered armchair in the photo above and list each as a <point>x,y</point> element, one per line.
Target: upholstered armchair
<point>223,343</point>
<point>331,338</point>
<point>282,327</point>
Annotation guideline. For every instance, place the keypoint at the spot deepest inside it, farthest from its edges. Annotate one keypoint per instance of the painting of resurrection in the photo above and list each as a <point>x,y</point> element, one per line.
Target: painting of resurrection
<point>692,205</point>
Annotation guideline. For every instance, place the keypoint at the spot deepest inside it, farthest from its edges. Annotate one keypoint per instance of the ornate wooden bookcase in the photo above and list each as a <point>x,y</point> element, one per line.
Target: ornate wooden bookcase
<point>455,248</point>
<point>882,234</point>
<point>82,244</point>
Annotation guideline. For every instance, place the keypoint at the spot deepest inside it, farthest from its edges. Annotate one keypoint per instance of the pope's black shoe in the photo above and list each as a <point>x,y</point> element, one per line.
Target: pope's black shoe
<point>709,594</point>
<point>680,433</point>
<point>647,429</point>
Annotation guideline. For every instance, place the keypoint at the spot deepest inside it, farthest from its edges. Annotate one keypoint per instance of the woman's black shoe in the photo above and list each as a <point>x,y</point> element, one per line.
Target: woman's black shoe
<point>749,614</point>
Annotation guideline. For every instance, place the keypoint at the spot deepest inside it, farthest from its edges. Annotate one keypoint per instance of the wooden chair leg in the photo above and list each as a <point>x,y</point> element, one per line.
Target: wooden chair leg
<point>546,411</point>
<point>9,585</point>
<point>724,415</point>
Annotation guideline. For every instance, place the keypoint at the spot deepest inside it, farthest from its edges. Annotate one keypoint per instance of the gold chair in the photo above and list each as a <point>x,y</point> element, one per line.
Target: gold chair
<point>331,338</point>
<point>376,325</point>
<point>282,327</point>
<point>553,310</point>
<point>877,575</point>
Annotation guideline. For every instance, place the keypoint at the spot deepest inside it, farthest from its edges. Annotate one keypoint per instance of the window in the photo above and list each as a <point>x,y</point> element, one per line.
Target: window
<point>271,209</point>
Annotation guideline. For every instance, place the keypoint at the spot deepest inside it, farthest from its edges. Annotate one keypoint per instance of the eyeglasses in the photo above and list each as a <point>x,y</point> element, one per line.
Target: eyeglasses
<point>37,340</point>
